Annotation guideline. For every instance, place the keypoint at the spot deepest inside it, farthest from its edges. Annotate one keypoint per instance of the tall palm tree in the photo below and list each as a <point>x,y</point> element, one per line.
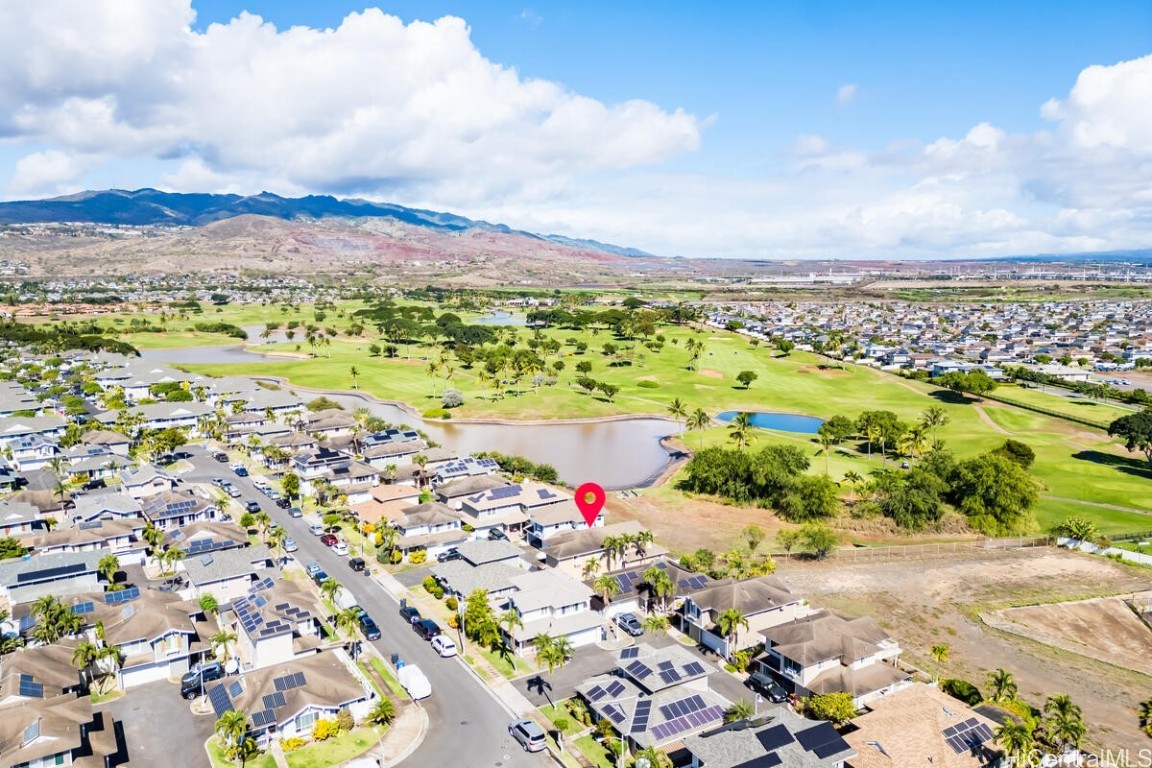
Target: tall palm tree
<point>641,540</point>
<point>607,586</point>
<point>152,536</point>
<point>232,727</point>
<point>221,643</point>
<point>276,543</point>
<point>609,547</point>
<point>510,621</point>
<point>940,656</point>
<point>932,418</point>
<point>659,584</point>
<point>1001,685</point>
<point>348,619</point>
<point>329,588</point>
<point>657,758</point>
<point>591,568</point>
<point>107,664</point>
<point>1015,738</point>
<point>656,624</point>
<point>355,373</point>
<point>826,440</point>
<point>552,652</point>
<point>84,656</point>
<point>740,430</point>
<point>1064,721</point>
<point>677,410</point>
<point>699,420</point>
<point>872,433</point>
<point>729,623</point>
<point>108,566</point>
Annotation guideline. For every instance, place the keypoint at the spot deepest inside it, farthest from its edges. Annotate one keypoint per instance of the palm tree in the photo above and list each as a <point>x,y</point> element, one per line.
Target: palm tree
<point>641,541</point>
<point>607,586</point>
<point>872,433</point>
<point>108,566</point>
<point>84,656</point>
<point>221,643</point>
<point>826,440</point>
<point>729,623</point>
<point>232,728</point>
<point>677,410</point>
<point>348,619</point>
<point>740,710</point>
<point>107,663</point>
<point>355,374</point>
<point>699,420</point>
<point>657,758</point>
<point>740,430</point>
<point>940,656</point>
<point>510,621</point>
<point>276,542</point>
<point>1001,685</point>
<point>553,652</point>
<point>330,587</point>
<point>152,536</point>
<point>169,556</point>
<point>383,713</point>
<point>1016,738</point>
<point>932,418</point>
<point>656,624</point>
<point>591,568</point>
<point>609,547</point>
<point>1064,722</point>
<point>659,584</point>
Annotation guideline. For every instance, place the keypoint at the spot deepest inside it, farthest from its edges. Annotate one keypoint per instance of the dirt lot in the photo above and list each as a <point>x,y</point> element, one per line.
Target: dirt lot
<point>1104,628</point>
<point>927,601</point>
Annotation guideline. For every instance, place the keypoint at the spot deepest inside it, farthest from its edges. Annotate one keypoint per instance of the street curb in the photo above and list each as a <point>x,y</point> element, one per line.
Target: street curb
<point>415,743</point>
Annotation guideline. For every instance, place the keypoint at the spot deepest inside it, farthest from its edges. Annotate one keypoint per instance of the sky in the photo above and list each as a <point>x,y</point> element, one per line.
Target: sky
<point>790,129</point>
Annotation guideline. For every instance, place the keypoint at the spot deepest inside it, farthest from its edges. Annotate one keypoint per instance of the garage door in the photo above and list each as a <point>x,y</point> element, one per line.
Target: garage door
<point>141,675</point>
<point>587,637</point>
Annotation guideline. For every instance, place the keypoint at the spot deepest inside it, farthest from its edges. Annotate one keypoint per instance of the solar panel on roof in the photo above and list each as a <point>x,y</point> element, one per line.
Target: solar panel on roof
<point>282,683</point>
<point>641,716</point>
<point>775,737</point>
<point>665,665</point>
<point>48,574</point>
<point>764,761</point>
<point>616,688</point>
<point>274,700</point>
<point>218,698</point>
<point>832,747</point>
<point>670,676</point>
<point>121,595</point>
<point>817,736</point>
<point>595,693</point>
<point>235,689</point>
<point>630,653</point>
<point>263,718</point>
<point>82,608</point>
<point>695,668</point>
<point>297,679</point>
<point>29,687</point>
<point>614,713</point>
<point>638,670</point>
<point>282,606</point>
<point>967,736</point>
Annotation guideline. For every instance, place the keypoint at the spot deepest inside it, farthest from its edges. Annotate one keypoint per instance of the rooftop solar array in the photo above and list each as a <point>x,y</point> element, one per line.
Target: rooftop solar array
<point>640,716</point>
<point>219,699</point>
<point>264,718</point>
<point>822,740</point>
<point>682,707</point>
<point>595,693</point>
<point>288,682</point>
<point>82,608</point>
<point>967,736</point>
<point>235,689</point>
<point>273,700</point>
<point>29,687</point>
<point>546,493</point>
<point>693,582</point>
<point>264,583</point>
<point>614,713</point>
<point>691,721</point>
<point>693,669</point>
<point>770,760</point>
<point>121,595</point>
<point>638,670</point>
<point>630,653</point>
<point>628,581</point>
<point>50,574</point>
<point>200,546</point>
<point>504,492</point>
<point>670,676</point>
<point>89,525</point>
<point>775,737</point>
<point>615,688</point>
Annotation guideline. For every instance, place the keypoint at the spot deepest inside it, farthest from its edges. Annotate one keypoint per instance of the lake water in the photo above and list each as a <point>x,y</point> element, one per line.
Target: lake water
<point>615,454</point>
<point>500,317</point>
<point>783,422</point>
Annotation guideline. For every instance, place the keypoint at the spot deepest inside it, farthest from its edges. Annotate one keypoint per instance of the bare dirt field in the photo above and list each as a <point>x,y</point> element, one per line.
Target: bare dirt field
<point>1103,628</point>
<point>927,601</point>
<point>711,374</point>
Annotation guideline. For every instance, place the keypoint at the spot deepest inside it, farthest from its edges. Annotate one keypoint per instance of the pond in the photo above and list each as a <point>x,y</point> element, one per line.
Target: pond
<point>783,422</point>
<point>617,454</point>
<point>500,317</point>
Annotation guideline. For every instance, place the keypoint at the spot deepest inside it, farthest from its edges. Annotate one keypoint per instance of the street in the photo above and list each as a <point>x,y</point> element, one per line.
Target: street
<point>461,710</point>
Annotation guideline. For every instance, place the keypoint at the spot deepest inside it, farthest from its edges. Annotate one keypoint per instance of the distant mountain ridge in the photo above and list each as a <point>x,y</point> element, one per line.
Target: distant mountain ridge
<point>151,207</point>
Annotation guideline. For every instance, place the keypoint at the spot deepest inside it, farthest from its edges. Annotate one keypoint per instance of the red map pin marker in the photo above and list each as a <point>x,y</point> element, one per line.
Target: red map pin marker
<point>590,499</point>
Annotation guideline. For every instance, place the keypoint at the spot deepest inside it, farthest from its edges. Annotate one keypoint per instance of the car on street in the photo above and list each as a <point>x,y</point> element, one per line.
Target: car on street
<point>221,457</point>
<point>252,506</point>
<point>426,628</point>
<point>368,627</point>
<point>767,687</point>
<point>448,555</point>
<point>444,646</point>
<point>283,503</point>
<point>231,490</point>
<point>319,577</point>
<point>414,681</point>
<point>296,512</point>
<point>219,482</point>
<point>328,539</point>
<point>192,682</point>
<point>357,564</point>
<point>409,612</point>
<point>240,470</point>
<point>340,548</point>
<point>529,735</point>
<point>315,529</point>
<point>312,568</point>
<point>630,624</point>
<point>289,544</point>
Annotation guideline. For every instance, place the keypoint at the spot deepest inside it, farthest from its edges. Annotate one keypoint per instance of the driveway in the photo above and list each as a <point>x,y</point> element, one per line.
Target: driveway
<point>159,727</point>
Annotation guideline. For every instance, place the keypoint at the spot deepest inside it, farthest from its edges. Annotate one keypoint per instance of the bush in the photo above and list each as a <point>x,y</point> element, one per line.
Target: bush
<point>452,398</point>
<point>438,592</point>
<point>437,413</point>
<point>648,384</point>
<point>417,557</point>
<point>292,744</point>
<point>397,556</point>
<point>247,520</point>
<point>452,603</point>
<point>325,729</point>
<point>429,583</point>
<point>453,621</point>
<point>962,690</point>
<point>345,720</point>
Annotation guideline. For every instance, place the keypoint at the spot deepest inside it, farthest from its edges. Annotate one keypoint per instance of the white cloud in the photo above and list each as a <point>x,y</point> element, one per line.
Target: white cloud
<point>49,172</point>
<point>372,104</point>
<point>846,94</point>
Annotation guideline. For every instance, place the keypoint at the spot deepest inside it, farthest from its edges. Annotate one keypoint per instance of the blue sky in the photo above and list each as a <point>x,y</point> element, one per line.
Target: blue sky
<point>782,129</point>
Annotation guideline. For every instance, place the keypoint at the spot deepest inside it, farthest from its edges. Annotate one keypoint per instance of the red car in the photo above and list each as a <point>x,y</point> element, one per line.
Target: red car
<point>328,539</point>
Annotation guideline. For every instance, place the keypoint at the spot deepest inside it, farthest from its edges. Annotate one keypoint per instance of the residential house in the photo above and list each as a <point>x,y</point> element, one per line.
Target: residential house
<point>388,502</point>
<point>547,520</point>
<point>177,509</point>
<point>40,672</point>
<point>274,622</point>
<point>227,574</point>
<point>432,527</point>
<point>31,452</point>
<point>506,507</point>
<point>553,603</point>
<point>459,469</point>
<point>146,481</point>
<point>778,738</point>
<point>61,730</point>
<point>156,632</point>
<point>570,550</point>
<point>454,492</point>
<point>117,537</point>
<point>763,602</point>
<point>112,441</point>
<point>16,428</point>
<point>60,574</point>
<point>332,422</point>
<point>18,518</point>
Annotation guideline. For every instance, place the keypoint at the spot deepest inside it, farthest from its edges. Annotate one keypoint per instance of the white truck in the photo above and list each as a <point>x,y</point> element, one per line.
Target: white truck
<point>413,680</point>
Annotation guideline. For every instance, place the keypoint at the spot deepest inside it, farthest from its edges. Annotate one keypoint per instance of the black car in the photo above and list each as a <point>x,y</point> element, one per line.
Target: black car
<point>369,628</point>
<point>357,564</point>
<point>409,612</point>
<point>283,503</point>
<point>767,687</point>
<point>192,683</point>
<point>451,554</point>
<point>319,577</point>
<point>497,534</point>
<point>92,485</point>
<point>426,628</point>
<point>252,506</point>
<point>221,457</point>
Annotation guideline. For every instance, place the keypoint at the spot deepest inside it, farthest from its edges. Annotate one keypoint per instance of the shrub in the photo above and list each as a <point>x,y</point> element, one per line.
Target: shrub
<point>962,690</point>
<point>325,729</point>
<point>438,592</point>
<point>397,556</point>
<point>452,398</point>
<point>247,520</point>
<point>345,720</point>
<point>417,557</point>
<point>561,724</point>
<point>437,413</point>
<point>429,583</point>
<point>292,744</point>
<point>452,603</point>
<point>648,384</point>
<point>453,621</point>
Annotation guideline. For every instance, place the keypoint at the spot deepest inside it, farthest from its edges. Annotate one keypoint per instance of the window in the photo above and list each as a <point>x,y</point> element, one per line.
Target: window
<point>305,721</point>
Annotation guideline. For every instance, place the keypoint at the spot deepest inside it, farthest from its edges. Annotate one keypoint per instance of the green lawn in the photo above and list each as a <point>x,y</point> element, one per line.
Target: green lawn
<point>557,712</point>
<point>178,339</point>
<point>333,751</point>
<point>1080,407</point>
<point>218,760</point>
<point>389,679</point>
<point>596,753</point>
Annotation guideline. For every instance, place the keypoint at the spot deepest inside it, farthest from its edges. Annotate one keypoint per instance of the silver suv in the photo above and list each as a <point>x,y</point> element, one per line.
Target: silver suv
<point>529,734</point>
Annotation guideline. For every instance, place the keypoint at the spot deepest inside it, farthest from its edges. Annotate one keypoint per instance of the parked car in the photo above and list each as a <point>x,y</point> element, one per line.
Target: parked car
<point>414,681</point>
<point>221,457</point>
<point>444,646</point>
<point>92,485</point>
<point>409,612</point>
<point>219,482</point>
<point>232,491</point>
<point>240,470</point>
<point>767,687</point>
<point>192,682</point>
<point>296,512</point>
<point>289,544</point>
<point>529,734</point>
<point>357,564</point>
<point>368,627</point>
<point>340,548</point>
<point>313,568</point>
<point>497,534</point>
<point>319,577</point>
<point>448,555</point>
<point>426,628</point>
<point>252,506</point>
<point>630,624</point>
<point>283,503</point>
<point>315,529</point>
<point>328,539</point>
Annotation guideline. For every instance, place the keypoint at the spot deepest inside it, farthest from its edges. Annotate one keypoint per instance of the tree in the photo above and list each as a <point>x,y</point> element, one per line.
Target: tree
<point>221,643</point>
<point>834,707</point>
<point>788,538</point>
<point>729,623</point>
<point>740,710</point>
<point>784,346</point>
<point>510,621</point>
<point>330,588</point>
<point>1015,738</point>
<point>1018,452</point>
<point>552,652</point>
<point>995,493</point>
<point>382,713</point>
<point>608,390</point>
<point>84,655</point>
<point>1001,685</point>
<point>932,418</point>
<point>659,584</point>
<point>940,656</point>
<point>1136,430</point>
<point>1063,721</point>
<point>656,624</point>
<point>11,547</point>
<point>291,485</point>
<point>753,536</point>
<point>1146,717</point>
<point>108,566</point>
<point>232,728</point>
<point>656,758</point>
<point>348,619</point>
<point>740,430</point>
<point>607,586</point>
<point>355,374</point>
<point>808,497</point>
<point>699,420</point>
<point>209,604</point>
<point>818,539</point>
<point>746,378</point>
<point>677,410</point>
<point>1078,528</point>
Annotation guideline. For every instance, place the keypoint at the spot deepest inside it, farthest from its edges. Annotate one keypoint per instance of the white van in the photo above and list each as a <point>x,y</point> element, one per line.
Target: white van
<point>414,681</point>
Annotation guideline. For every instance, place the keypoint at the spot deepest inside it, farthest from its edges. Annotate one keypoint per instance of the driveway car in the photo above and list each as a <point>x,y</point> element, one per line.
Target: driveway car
<point>192,683</point>
<point>444,646</point>
<point>328,539</point>
<point>409,612</point>
<point>357,564</point>
<point>340,548</point>
<point>414,681</point>
<point>368,627</point>
<point>426,628</point>
<point>630,624</point>
<point>289,544</point>
<point>451,554</point>
<point>529,734</point>
<point>497,534</point>
<point>767,687</point>
<point>296,512</point>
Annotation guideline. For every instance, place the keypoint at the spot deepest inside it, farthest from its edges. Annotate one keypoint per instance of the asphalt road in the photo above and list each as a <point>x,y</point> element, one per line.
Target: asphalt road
<point>468,726</point>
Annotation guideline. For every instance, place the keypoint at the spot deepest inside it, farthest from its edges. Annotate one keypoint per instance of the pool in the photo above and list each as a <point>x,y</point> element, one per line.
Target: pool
<point>784,422</point>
